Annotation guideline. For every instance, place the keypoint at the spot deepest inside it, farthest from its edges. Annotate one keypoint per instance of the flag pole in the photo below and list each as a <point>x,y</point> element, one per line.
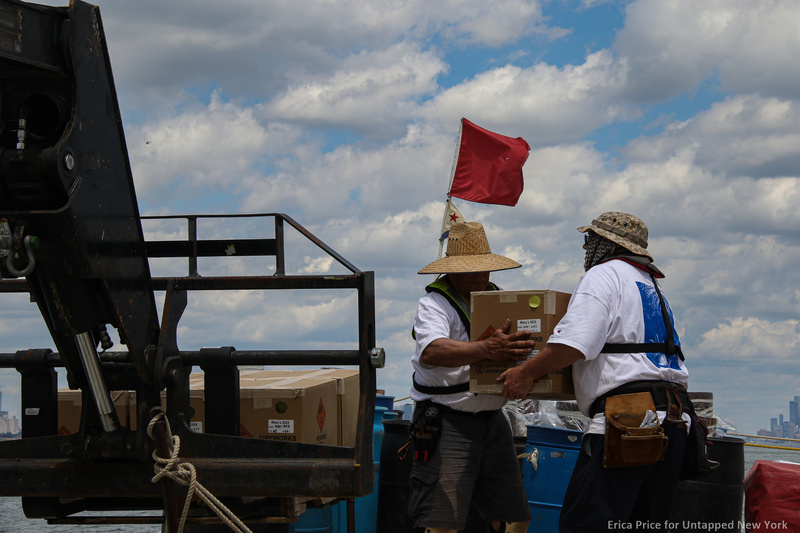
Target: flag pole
<point>450,186</point>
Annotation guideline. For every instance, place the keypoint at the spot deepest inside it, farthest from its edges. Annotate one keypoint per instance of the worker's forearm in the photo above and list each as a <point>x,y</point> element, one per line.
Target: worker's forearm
<point>499,346</point>
<point>452,353</point>
<point>553,357</point>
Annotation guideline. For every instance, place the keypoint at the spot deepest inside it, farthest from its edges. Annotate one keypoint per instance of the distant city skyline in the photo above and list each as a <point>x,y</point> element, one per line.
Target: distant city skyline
<point>785,428</point>
<point>8,424</point>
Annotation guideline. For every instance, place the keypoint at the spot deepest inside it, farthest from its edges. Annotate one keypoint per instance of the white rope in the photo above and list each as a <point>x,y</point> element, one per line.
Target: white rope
<point>185,474</point>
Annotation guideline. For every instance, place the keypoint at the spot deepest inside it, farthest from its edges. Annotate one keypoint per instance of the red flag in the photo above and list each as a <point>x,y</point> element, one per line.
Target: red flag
<point>489,168</point>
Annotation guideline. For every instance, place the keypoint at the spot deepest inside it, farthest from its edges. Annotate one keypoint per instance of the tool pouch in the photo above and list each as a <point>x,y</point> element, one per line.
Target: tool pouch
<point>626,443</point>
<point>426,431</point>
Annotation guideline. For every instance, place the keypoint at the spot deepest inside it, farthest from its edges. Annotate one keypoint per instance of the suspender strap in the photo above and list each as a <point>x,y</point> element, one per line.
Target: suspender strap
<point>636,347</point>
<point>443,287</point>
<point>671,348</point>
<point>668,347</point>
<point>448,389</point>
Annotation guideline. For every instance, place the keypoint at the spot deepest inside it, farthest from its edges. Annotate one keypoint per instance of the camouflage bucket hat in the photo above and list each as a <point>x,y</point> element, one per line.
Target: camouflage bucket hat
<point>621,228</point>
<point>468,251</point>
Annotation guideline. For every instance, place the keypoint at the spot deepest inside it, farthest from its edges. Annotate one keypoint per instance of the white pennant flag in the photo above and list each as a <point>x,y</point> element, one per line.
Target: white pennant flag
<point>451,216</point>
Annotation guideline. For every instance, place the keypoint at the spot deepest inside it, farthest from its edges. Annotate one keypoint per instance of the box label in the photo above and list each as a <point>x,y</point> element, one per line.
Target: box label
<point>280,426</point>
<point>534,325</point>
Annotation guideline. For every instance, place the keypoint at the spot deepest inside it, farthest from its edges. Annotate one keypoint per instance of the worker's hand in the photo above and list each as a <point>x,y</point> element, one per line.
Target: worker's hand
<point>506,348</point>
<point>516,383</point>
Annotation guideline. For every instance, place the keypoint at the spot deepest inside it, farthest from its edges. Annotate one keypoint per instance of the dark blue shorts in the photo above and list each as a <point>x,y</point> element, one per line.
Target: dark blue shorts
<point>633,498</point>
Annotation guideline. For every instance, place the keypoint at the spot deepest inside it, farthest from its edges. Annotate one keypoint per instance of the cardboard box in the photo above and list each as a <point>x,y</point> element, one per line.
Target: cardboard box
<point>347,390</point>
<point>537,311</point>
<point>70,404</point>
<point>282,405</point>
<point>315,406</point>
<point>295,408</point>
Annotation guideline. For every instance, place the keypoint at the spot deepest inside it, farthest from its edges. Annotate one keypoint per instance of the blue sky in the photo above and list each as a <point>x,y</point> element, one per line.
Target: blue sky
<point>345,116</point>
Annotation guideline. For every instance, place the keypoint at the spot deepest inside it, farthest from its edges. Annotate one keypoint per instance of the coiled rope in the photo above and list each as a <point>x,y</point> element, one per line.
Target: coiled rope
<point>185,474</point>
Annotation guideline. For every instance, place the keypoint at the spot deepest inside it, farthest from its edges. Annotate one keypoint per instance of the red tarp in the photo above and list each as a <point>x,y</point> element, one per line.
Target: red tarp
<point>772,497</point>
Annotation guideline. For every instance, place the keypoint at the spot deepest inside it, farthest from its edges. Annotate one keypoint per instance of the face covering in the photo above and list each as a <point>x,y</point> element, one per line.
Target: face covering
<point>597,249</point>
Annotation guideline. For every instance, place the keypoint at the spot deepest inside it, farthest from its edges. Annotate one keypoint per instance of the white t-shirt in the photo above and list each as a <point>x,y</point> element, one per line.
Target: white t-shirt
<point>437,319</point>
<point>615,302</point>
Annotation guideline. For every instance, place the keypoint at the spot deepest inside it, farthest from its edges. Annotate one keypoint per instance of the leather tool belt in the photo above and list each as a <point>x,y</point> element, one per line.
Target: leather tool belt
<point>626,443</point>
<point>667,396</point>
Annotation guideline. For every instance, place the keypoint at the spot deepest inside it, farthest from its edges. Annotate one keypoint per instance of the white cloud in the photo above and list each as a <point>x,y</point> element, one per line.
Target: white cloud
<point>490,23</point>
<point>740,135</point>
<point>273,320</point>
<point>356,183</point>
<point>753,340</point>
<point>368,91</point>
<point>546,104</point>
<point>670,47</point>
<point>198,44</point>
<point>200,151</point>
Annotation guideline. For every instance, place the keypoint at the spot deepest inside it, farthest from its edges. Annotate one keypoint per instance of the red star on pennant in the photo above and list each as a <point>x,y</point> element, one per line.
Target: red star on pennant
<point>453,217</point>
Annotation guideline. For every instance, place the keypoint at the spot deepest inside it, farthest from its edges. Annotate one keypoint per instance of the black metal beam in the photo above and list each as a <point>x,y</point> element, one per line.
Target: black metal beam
<point>211,248</point>
<point>116,361</point>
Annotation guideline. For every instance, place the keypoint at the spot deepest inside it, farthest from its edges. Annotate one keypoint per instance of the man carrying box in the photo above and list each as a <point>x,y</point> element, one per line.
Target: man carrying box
<point>627,364</point>
<point>464,448</point>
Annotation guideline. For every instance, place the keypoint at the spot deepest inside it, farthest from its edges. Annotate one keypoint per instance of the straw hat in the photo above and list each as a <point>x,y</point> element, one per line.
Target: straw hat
<point>621,228</point>
<point>468,251</point>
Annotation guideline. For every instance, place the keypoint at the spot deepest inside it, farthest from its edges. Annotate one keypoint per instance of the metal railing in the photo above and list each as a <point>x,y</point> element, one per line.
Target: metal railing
<point>90,466</point>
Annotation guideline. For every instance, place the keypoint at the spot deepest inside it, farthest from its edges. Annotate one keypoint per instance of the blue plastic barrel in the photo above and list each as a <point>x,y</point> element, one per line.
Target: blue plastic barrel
<point>365,507</point>
<point>385,401</point>
<point>551,456</point>
<point>395,480</point>
<point>316,519</point>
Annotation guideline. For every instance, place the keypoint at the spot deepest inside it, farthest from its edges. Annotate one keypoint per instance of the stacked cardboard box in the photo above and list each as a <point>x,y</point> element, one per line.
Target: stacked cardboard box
<point>296,409</point>
<point>70,404</point>
<point>537,311</point>
<point>347,392</point>
<point>313,406</point>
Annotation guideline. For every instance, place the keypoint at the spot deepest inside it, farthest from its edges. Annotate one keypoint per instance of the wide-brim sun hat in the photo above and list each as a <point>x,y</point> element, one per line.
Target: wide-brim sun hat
<point>468,251</point>
<point>623,229</point>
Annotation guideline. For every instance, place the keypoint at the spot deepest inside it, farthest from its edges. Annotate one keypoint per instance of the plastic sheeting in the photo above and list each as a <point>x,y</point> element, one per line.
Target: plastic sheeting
<point>565,414</point>
<point>534,412</point>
